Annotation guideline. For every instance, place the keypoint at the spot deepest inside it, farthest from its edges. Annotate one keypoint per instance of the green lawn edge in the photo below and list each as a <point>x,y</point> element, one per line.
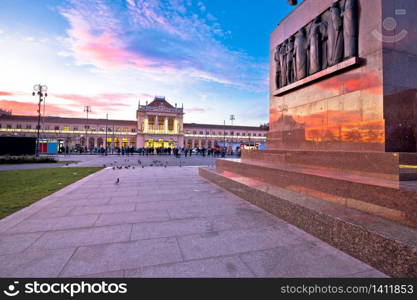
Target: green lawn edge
<point>21,188</point>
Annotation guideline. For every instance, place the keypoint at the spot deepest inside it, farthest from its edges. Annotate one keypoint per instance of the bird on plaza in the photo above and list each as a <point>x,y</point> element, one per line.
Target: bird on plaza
<point>114,168</point>
<point>118,180</point>
<point>143,167</point>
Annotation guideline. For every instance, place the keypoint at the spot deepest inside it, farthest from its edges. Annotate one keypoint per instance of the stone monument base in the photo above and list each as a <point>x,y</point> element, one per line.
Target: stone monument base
<point>354,201</point>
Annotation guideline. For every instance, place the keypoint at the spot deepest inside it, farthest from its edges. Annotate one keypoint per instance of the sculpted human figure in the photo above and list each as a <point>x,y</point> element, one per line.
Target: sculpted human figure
<point>300,54</point>
<point>278,74</point>
<point>350,28</point>
<point>335,36</point>
<point>283,64</point>
<point>315,40</point>
<point>290,60</point>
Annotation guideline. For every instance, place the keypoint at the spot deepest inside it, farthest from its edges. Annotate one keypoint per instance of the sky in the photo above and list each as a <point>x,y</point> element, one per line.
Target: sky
<point>212,56</point>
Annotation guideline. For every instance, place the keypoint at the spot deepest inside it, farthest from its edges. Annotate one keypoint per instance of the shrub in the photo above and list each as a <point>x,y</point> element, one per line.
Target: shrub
<point>11,160</point>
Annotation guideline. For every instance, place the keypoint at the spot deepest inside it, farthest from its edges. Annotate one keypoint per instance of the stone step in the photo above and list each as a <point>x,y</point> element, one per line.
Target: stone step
<point>387,246</point>
<point>383,197</point>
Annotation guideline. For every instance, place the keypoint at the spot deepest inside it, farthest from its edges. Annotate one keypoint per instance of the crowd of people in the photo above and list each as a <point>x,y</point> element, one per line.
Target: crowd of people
<point>177,152</point>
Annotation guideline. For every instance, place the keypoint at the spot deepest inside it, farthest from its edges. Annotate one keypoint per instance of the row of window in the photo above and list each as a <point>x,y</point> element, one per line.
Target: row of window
<point>195,132</point>
<point>68,128</point>
<point>109,129</point>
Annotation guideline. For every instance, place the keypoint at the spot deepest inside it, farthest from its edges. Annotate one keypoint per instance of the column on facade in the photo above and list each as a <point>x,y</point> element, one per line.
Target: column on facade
<point>176,131</point>
<point>166,124</point>
<point>146,125</point>
<point>157,123</point>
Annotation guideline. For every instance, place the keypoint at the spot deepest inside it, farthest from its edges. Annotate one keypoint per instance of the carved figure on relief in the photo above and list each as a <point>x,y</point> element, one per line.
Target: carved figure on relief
<point>278,74</point>
<point>335,45</point>
<point>290,60</point>
<point>283,64</point>
<point>350,28</point>
<point>315,42</point>
<point>300,53</point>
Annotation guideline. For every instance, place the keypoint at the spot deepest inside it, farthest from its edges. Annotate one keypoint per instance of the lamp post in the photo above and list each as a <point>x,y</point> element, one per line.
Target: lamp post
<point>224,134</point>
<point>41,91</point>
<point>107,121</point>
<point>232,118</point>
<point>87,109</point>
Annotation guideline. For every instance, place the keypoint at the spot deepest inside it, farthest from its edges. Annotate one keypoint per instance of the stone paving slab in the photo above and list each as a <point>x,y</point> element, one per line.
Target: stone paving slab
<point>35,263</point>
<point>10,244</point>
<point>213,243</point>
<point>83,237</point>
<point>305,260</point>
<point>70,222</point>
<point>102,209</point>
<point>132,217</point>
<point>223,267</point>
<point>160,222</point>
<point>113,257</point>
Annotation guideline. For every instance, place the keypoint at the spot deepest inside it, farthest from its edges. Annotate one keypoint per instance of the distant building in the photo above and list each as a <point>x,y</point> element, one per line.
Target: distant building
<point>158,125</point>
<point>5,112</point>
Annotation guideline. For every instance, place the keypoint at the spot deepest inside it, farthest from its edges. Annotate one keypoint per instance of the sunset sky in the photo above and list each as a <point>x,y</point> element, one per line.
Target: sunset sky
<point>211,55</point>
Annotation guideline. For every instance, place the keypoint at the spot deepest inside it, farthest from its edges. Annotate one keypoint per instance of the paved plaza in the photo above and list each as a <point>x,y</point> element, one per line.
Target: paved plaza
<point>118,160</point>
<point>160,222</point>
<point>134,160</point>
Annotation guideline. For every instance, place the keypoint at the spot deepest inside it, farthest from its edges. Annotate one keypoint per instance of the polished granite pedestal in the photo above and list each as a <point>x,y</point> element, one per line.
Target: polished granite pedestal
<point>354,201</point>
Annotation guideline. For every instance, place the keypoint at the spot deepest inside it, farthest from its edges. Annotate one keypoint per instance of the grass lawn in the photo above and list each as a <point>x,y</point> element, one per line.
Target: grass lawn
<point>21,188</point>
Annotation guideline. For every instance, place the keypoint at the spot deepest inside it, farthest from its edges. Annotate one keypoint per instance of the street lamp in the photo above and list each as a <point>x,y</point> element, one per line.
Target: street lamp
<point>41,91</point>
<point>232,118</point>
<point>224,134</point>
<point>107,121</point>
<point>87,109</point>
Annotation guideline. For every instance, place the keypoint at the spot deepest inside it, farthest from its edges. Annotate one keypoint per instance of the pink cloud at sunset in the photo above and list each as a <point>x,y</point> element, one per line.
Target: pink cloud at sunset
<point>157,37</point>
<point>103,49</point>
<point>31,108</point>
<point>103,100</point>
<point>2,93</point>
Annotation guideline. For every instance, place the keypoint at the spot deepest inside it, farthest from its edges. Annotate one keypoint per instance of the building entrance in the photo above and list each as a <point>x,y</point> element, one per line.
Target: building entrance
<point>160,143</point>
